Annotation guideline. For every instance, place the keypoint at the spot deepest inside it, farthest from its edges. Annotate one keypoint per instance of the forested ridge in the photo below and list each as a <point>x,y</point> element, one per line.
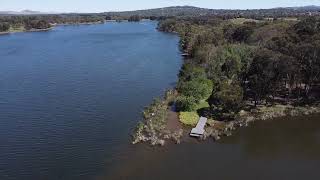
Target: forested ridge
<point>190,11</point>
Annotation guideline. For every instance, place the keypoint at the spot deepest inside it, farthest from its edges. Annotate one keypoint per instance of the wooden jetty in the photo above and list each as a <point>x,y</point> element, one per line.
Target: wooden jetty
<point>199,129</point>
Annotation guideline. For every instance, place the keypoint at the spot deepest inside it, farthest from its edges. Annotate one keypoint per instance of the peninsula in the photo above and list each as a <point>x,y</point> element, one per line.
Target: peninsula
<point>238,69</point>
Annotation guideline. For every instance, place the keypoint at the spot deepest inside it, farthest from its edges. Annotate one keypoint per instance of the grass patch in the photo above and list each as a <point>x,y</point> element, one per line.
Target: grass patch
<point>17,29</point>
<point>243,20</point>
<point>189,118</point>
<point>290,19</point>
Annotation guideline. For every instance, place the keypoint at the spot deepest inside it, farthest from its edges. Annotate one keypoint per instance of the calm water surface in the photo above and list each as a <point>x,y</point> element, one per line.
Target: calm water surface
<point>287,148</point>
<point>69,99</point>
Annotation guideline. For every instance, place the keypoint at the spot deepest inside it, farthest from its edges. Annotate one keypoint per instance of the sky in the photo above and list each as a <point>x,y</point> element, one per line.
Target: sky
<point>122,5</point>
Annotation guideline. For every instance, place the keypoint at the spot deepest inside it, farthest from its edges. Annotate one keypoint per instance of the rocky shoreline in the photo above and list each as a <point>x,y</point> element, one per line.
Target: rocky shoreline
<point>153,128</point>
<point>218,129</point>
<point>23,30</point>
<point>155,133</point>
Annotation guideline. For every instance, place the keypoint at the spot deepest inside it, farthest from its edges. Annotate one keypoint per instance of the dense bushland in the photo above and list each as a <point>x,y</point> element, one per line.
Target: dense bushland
<point>239,65</point>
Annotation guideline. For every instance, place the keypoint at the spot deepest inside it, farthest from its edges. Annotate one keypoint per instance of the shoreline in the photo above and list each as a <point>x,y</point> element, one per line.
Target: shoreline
<point>25,31</point>
<point>86,23</point>
<point>159,134</point>
<point>49,29</point>
<point>219,129</point>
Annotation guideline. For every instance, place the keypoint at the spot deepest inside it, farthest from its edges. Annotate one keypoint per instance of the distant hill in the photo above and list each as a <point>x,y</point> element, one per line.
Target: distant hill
<point>196,11</point>
<point>305,8</point>
<point>167,11</point>
<point>24,12</point>
<point>184,11</point>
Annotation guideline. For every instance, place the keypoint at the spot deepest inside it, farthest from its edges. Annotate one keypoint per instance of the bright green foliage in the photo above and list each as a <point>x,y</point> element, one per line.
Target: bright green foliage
<point>193,87</point>
<point>189,118</point>
<point>202,104</point>
<point>198,88</point>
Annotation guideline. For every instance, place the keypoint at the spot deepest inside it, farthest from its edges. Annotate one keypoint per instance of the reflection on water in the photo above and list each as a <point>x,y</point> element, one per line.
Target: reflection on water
<point>286,148</point>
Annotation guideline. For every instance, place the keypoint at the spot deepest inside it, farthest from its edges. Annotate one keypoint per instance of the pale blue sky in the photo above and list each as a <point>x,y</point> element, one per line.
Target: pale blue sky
<point>119,5</point>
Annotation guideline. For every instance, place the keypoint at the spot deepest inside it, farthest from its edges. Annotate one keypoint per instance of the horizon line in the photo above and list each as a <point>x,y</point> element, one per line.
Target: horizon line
<point>115,11</point>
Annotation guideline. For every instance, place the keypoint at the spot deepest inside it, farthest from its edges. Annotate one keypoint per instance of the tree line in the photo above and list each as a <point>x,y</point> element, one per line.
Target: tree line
<point>45,21</point>
<point>232,65</point>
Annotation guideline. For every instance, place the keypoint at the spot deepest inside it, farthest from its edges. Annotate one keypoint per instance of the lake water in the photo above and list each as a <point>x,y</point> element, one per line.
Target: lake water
<point>70,98</point>
<point>281,149</point>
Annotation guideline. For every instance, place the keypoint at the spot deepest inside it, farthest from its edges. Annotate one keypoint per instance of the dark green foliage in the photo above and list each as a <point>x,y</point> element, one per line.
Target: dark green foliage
<point>230,61</point>
<point>190,72</point>
<point>43,21</point>
<point>242,33</point>
<point>307,27</point>
<point>134,18</point>
<point>260,62</point>
<point>186,103</point>
<point>228,96</point>
<point>4,26</point>
<point>205,16</point>
<point>153,18</point>
<point>168,25</point>
<point>37,24</point>
<point>108,18</point>
<point>263,73</point>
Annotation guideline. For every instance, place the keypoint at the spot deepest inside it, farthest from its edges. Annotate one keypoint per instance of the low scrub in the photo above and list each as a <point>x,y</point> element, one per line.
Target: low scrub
<point>153,127</point>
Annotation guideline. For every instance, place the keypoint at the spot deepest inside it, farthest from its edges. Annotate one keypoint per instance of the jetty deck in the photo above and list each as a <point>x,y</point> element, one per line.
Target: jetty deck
<point>199,129</point>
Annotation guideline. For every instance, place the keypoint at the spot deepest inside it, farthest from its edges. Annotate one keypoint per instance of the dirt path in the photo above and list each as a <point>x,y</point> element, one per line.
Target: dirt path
<point>173,123</point>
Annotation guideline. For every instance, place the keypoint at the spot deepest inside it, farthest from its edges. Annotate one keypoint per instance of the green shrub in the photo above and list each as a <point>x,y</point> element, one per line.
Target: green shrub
<point>186,103</point>
<point>189,118</point>
<point>202,104</point>
<point>197,88</point>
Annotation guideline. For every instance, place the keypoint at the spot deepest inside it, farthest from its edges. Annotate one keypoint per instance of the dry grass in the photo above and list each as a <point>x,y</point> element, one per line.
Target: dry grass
<point>243,20</point>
